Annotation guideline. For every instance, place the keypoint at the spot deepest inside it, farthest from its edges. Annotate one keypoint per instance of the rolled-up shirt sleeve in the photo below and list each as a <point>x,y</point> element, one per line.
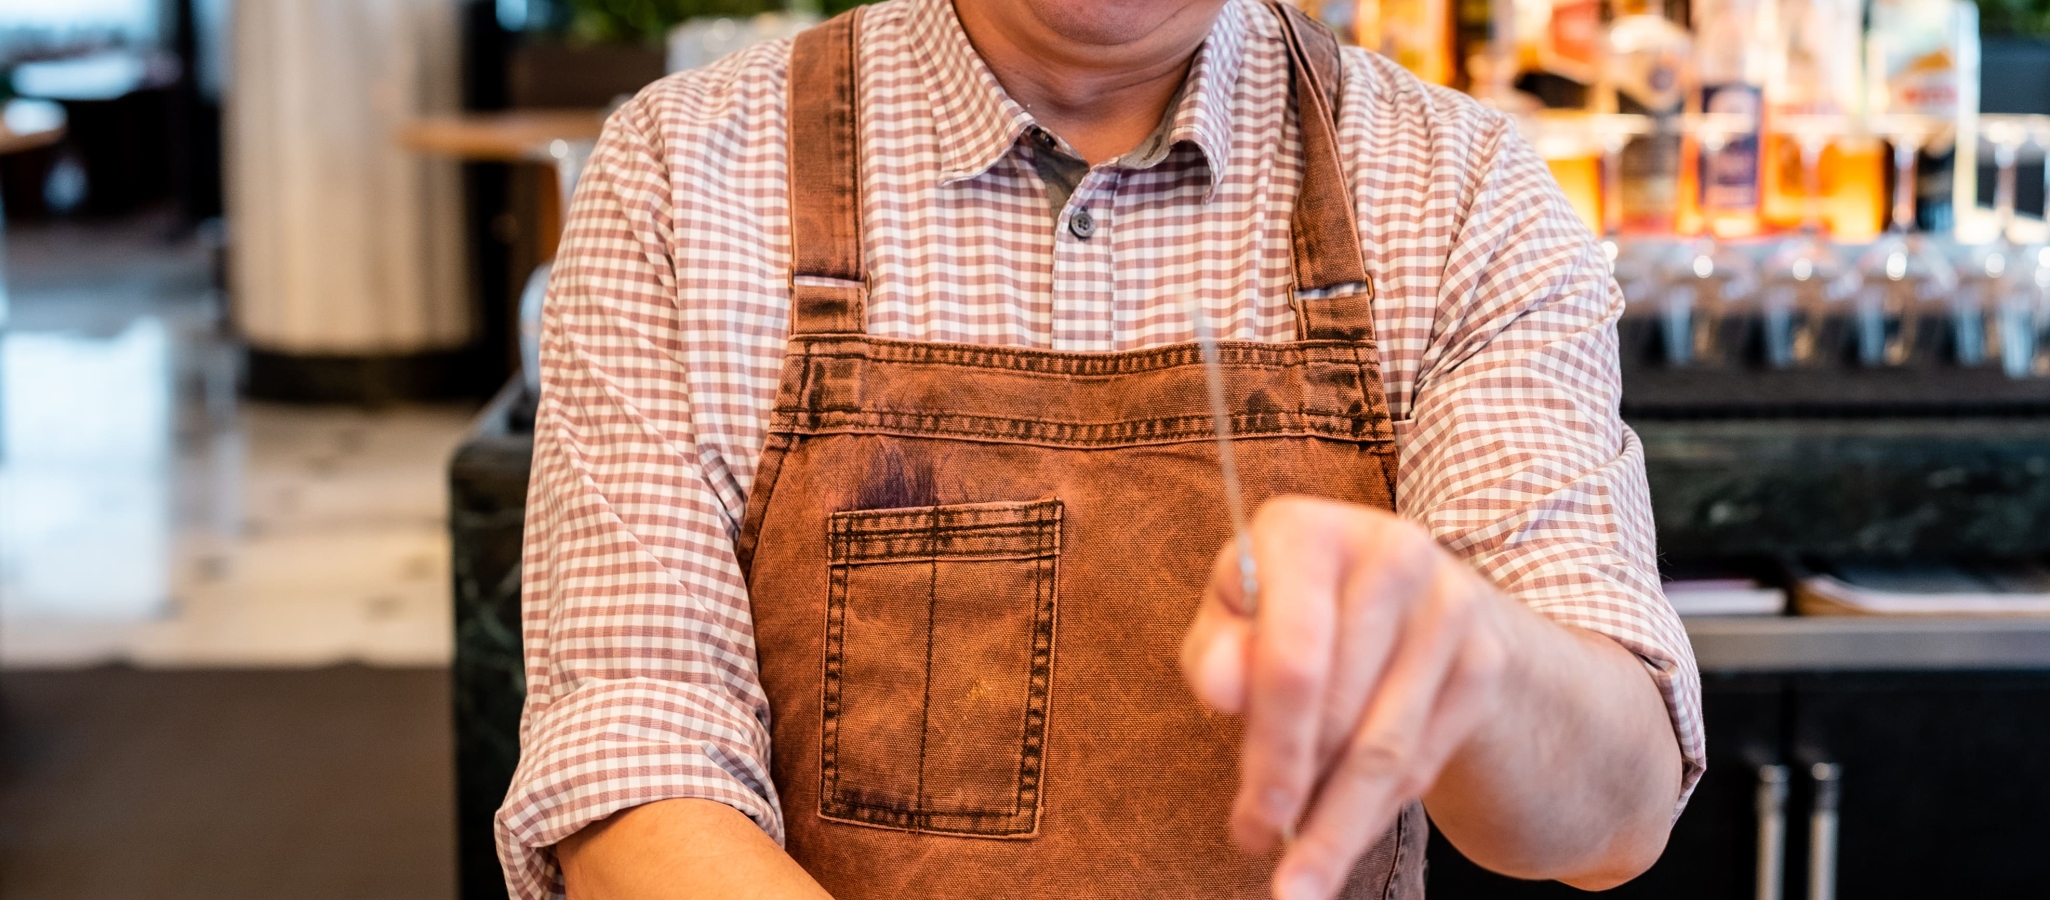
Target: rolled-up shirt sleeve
<point>1515,455</point>
<point>640,658</point>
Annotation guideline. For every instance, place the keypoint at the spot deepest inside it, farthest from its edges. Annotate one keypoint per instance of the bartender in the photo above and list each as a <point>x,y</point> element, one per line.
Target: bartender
<point>873,543</point>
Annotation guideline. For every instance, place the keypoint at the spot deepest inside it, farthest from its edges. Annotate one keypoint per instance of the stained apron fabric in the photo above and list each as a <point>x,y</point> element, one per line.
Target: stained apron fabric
<point>971,566</point>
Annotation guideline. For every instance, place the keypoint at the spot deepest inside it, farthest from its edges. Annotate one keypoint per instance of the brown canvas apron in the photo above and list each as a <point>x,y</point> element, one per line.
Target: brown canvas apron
<point>971,567</point>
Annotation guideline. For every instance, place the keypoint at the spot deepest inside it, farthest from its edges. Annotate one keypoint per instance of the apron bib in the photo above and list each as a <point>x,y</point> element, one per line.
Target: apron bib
<point>971,567</point>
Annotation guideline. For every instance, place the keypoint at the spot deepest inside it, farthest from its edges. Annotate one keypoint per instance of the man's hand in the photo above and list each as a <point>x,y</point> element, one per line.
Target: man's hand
<point>1372,655</point>
<point>1379,669</point>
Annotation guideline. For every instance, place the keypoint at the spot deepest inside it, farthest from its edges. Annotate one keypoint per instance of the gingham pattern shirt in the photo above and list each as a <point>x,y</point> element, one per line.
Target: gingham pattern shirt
<point>667,315</point>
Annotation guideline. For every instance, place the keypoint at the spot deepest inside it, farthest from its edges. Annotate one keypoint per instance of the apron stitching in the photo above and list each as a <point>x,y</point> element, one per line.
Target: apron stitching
<point>836,632</point>
<point>1236,354</point>
<point>1395,868</point>
<point>1365,394</point>
<point>919,816</point>
<point>1032,664</point>
<point>1251,418</point>
<point>805,401</point>
<point>1039,681</point>
<point>1336,423</point>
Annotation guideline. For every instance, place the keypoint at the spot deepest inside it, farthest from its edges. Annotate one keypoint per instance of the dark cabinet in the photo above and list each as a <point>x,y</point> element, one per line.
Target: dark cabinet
<point>1944,782</point>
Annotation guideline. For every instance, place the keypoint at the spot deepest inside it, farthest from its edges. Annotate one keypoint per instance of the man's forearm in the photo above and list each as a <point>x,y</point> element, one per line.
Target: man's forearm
<point>1577,779</point>
<point>681,850</point>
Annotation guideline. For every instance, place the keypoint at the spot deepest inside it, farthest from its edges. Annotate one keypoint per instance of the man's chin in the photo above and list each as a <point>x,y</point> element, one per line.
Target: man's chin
<point>1119,22</point>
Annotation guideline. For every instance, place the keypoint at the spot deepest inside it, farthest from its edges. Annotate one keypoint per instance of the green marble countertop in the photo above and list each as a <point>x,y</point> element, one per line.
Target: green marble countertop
<point>1904,487</point>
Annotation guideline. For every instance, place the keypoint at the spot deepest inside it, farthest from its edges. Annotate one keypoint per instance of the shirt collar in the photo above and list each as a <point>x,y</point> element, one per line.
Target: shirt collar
<point>983,123</point>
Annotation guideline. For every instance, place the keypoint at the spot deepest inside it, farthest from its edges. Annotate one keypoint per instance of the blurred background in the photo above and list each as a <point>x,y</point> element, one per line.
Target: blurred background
<point>271,269</point>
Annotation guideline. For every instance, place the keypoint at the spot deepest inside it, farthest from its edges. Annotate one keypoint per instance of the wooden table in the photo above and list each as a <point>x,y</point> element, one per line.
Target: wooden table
<point>30,124</point>
<point>515,136</point>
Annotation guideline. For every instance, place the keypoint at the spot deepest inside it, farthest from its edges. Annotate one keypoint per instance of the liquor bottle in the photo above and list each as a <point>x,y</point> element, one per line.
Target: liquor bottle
<point>1571,44</point>
<point>1854,189</point>
<point>1815,71</point>
<point>1574,154</point>
<point>1719,185</point>
<point>1922,59</point>
<point>1475,34</point>
<point>1490,48</point>
<point>1964,188</point>
<point>1415,33</point>
<point>1647,68</point>
<point>1557,50</point>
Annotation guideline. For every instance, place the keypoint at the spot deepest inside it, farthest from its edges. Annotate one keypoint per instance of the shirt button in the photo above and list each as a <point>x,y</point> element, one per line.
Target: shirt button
<point>1082,224</point>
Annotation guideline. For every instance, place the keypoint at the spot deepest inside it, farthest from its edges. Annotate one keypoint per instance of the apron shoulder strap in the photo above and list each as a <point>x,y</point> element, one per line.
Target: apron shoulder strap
<point>828,278</point>
<point>1324,226</point>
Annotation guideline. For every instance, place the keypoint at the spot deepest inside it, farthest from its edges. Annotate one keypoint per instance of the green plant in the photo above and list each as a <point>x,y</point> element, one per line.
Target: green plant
<point>2015,17</point>
<point>622,21</point>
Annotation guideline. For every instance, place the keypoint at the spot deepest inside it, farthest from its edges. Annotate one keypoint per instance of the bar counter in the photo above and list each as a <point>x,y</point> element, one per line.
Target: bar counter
<point>1869,644</point>
<point>1930,720</point>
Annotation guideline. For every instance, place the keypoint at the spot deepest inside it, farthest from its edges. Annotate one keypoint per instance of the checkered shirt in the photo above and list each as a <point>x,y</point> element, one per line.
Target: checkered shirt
<point>668,312</point>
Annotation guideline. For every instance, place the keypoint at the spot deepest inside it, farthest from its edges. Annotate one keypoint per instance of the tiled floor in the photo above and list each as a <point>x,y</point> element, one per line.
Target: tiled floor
<point>229,551</point>
<point>148,515</point>
<point>244,784</point>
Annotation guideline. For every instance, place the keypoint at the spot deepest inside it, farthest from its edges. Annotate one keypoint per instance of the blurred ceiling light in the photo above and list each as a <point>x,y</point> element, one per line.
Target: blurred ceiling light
<point>135,20</point>
<point>30,116</point>
<point>100,76</point>
<point>512,14</point>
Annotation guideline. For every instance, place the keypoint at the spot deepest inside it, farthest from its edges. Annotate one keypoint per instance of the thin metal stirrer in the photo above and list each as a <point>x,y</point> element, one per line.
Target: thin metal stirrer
<point>1227,461</point>
<point>1220,418</point>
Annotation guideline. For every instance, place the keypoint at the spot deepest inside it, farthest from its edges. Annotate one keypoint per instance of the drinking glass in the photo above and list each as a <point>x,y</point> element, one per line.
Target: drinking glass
<point>1807,285</point>
<point>1613,132</point>
<point>1990,277</point>
<point>1906,308</point>
<point>1707,291</point>
<point>2025,316</point>
<point>2025,305</point>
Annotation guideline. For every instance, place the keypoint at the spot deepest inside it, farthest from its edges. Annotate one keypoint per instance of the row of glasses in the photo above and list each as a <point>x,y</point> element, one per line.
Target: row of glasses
<point>1804,278</point>
<point>1904,302</point>
<point>1906,308</point>
<point>2009,281</point>
<point>1701,291</point>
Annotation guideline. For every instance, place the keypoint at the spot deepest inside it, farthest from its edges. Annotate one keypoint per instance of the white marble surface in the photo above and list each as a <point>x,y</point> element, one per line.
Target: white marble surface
<point>147,515</point>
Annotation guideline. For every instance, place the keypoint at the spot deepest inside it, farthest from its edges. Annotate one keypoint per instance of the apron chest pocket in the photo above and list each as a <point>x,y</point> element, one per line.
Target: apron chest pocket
<point>939,649</point>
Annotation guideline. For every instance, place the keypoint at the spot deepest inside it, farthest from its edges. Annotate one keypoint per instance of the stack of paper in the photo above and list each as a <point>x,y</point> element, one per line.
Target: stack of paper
<point>1925,589</point>
<point>1725,597</point>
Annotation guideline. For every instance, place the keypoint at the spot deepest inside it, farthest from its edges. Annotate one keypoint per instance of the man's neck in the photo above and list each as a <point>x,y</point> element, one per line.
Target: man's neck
<point>1099,73</point>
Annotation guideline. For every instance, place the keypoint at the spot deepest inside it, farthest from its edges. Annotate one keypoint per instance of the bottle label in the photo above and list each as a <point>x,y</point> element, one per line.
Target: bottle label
<point>1649,170</point>
<point>1924,84</point>
<point>1923,62</point>
<point>1729,178</point>
<point>1572,46</point>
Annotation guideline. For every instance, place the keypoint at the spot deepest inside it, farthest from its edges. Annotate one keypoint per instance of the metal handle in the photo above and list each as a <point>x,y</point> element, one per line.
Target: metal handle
<point>1822,825</point>
<point>1772,830</point>
<point>531,299</point>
